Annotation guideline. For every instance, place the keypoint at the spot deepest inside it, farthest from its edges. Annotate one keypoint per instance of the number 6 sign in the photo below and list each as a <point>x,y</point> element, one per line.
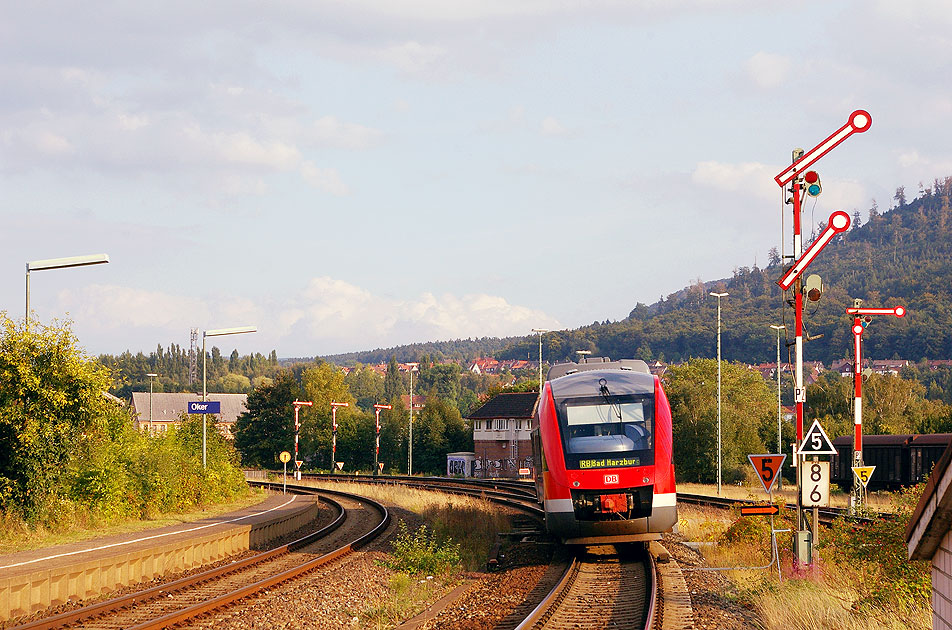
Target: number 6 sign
<point>815,484</point>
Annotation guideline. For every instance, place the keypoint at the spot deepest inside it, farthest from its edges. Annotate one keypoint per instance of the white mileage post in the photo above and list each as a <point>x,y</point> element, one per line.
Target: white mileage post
<point>815,484</point>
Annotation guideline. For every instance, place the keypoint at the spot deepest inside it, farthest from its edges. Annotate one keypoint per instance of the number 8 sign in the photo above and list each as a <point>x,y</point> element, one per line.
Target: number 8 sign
<point>815,484</point>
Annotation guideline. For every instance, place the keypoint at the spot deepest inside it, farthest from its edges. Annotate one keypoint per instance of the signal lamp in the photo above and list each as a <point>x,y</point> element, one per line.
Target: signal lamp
<point>812,179</point>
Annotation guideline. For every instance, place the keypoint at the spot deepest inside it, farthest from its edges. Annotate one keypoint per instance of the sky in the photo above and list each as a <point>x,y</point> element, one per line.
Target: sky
<point>355,174</point>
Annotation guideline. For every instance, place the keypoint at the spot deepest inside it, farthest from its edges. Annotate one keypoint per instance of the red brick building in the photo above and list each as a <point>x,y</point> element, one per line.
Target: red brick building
<point>501,438</point>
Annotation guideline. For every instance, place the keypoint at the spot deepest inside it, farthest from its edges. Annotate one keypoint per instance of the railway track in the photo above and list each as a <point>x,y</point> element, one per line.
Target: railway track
<point>359,520</point>
<point>602,587</point>
<point>826,516</point>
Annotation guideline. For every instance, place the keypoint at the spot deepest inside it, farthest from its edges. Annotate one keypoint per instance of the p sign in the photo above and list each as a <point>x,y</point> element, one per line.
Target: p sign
<point>768,468</point>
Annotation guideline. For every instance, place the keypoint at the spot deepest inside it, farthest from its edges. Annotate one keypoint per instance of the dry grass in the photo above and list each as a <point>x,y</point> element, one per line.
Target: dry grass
<point>877,501</point>
<point>17,535</point>
<point>815,604</point>
<point>472,523</point>
<point>827,598</point>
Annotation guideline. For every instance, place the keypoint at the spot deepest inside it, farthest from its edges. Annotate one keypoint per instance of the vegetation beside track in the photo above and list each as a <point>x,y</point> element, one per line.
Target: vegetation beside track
<point>859,581</point>
<point>455,538</point>
<point>70,458</point>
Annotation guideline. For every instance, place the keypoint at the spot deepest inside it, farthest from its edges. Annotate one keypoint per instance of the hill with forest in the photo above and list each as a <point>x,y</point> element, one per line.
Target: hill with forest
<point>899,256</point>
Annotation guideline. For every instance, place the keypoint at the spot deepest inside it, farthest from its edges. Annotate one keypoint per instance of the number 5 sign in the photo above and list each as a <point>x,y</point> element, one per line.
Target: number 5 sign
<point>768,468</point>
<point>815,484</point>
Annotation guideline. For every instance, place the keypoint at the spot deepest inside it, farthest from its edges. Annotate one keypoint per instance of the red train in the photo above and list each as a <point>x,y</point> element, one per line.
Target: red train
<point>601,439</point>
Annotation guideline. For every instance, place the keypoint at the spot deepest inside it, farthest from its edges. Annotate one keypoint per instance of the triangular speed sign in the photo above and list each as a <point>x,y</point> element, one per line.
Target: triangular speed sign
<point>863,473</point>
<point>816,442</point>
<point>767,468</point>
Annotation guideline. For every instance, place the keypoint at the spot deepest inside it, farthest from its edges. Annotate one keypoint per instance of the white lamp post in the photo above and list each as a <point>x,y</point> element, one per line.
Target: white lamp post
<point>540,331</point>
<point>59,263</point>
<point>410,445</point>
<point>151,376</point>
<point>215,333</point>
<point>719,296</point>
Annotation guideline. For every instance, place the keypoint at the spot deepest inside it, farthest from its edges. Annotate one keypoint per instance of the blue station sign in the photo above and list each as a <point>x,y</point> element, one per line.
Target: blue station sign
<point>207,406</point>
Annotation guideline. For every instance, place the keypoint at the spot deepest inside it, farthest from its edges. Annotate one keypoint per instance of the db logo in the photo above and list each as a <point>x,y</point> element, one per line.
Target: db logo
<point>611,479</point>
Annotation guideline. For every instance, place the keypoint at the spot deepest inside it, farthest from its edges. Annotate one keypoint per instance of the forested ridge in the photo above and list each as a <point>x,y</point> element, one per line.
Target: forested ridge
<point>902,256</point>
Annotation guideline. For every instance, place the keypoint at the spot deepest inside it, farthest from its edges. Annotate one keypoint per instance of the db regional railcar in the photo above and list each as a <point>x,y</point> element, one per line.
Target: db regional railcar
<point>601,439</point>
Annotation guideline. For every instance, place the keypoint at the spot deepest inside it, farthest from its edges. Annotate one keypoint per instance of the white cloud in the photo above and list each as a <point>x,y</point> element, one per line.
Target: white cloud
<point>756,180</point>
<point>327,315</point>
<point>241,148</point>
<point>331,132</point>
<point>326,179</point>
<point>768,70</point>
<point>552,127</point>
<point>414,58</point>
<point>747,178</point>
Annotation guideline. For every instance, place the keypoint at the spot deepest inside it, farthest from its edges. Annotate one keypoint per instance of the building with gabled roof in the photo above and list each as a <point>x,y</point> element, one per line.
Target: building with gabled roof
<point>167,410</point>
<point>501,438</point>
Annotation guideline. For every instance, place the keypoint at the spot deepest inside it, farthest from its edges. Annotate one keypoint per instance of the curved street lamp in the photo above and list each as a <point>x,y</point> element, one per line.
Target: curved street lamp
<point>718,296</point>
<point>215,333</point>
<point>59,263</point>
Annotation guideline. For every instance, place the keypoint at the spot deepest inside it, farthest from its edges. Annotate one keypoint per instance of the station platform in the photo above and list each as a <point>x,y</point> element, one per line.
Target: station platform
<point>34,580</point>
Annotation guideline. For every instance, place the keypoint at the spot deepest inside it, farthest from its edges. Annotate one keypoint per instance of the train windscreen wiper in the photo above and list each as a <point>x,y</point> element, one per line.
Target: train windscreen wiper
<point>607,395</point>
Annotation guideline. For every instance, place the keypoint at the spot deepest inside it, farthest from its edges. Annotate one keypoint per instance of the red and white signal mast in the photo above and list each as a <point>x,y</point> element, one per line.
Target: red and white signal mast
<point>377,409</point>
<point>334,406</point>
<point>861,318</point>
<point>297,428</point>
<point>799,178</point>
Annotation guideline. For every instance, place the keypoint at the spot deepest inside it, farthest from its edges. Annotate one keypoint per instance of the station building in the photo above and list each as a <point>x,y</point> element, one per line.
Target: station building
<point>168,409</point>
<point>501,438</point>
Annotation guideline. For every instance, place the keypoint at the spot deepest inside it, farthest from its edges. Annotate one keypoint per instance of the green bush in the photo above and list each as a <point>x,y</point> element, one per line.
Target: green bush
<point>420,552</point>
<point>881,546</point>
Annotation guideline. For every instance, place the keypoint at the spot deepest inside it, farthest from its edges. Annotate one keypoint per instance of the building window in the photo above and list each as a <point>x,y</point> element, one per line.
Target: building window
<point>479,425</point>
<point>500,424</point>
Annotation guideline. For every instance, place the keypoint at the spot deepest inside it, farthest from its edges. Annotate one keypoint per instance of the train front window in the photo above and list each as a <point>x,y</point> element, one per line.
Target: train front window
<point>608,431</point>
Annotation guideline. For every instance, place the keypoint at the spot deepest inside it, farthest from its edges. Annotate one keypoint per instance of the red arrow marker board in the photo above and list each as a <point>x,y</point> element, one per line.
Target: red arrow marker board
<point>759,510</point>
<point>767,468</point>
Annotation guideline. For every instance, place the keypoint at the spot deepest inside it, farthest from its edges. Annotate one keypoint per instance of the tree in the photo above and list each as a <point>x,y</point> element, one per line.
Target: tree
<point>442,381</point>
<point>748,418</point>
<point>438,430</point>
<point>267,427</point>
<point>323,384</point>
<point>52,412</point>
<point>366,386</point>
<point>900,197</point>
<point>393,383</point>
